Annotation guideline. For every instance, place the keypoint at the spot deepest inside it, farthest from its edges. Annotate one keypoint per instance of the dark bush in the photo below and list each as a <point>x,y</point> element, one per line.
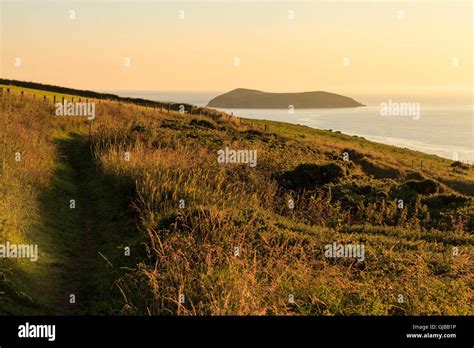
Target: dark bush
<point>309,176</point>
<point>423,187</point>
<point>202,123</point>
<point>354,155</point>
<point>171,124</point>
<point>459,165</point>
<point>251,133</point>
<point>443,200</point>
<point>138,127</point>
<point>365,190</point>
<point>414,176</point>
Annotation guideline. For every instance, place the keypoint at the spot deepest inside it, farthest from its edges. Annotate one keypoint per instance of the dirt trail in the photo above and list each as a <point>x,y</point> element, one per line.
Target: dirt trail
<point>84,258</point>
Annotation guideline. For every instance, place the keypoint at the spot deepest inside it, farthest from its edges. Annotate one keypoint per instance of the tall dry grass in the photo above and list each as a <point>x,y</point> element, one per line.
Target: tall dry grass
<point>235,248</point>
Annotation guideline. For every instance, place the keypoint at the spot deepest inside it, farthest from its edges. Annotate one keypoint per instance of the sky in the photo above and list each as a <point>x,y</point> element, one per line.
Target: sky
<point>414,47</point>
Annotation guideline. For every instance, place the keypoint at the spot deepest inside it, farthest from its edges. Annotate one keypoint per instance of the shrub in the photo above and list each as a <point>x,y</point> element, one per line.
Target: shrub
<point>443,200</point>
<point>422,187</point>
<point>202,123</point>
<point>310,176</point>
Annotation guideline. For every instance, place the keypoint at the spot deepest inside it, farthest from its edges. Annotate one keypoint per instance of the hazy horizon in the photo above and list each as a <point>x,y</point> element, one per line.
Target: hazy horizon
<point>348,48</point>
<point>365,98</point>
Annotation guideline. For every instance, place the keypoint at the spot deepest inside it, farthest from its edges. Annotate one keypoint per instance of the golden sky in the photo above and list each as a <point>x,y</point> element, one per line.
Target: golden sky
<point>415,47</point>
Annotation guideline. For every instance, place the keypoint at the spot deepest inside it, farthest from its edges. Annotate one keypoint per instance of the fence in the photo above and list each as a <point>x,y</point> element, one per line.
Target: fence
<point>181,108</point>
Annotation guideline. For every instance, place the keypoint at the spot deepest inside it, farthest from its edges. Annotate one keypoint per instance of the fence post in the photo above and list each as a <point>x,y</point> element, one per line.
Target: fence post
<point>44,97</point>
<point>21,94</point>
<point>8,90</point>
<point>54,99</point>
<point>62,100</point>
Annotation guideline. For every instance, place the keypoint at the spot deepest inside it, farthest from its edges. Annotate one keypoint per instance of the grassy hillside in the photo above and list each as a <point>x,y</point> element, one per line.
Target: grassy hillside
<point>225,236</point>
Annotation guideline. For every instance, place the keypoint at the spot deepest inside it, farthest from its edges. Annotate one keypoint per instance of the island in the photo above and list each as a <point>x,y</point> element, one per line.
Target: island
<point>242,98</point>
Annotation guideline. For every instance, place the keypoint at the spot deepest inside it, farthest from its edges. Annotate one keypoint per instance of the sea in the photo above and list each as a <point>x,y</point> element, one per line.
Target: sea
<point>443,129</point>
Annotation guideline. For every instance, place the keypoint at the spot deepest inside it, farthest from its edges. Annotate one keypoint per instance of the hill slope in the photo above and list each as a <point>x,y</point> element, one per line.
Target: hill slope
<point>241,98</point>
<point>212,238</point>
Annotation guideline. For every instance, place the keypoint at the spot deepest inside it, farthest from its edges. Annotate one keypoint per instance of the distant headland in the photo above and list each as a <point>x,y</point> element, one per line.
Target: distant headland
<point>242,98</point>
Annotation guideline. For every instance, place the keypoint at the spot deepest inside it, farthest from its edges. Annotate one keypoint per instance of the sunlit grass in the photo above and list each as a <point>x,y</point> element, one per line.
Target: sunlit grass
<point>184,214</point>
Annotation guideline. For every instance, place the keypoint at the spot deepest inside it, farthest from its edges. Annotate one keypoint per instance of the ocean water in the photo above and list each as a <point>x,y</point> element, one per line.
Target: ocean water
<point>443,130</point>
<point>440,130</point>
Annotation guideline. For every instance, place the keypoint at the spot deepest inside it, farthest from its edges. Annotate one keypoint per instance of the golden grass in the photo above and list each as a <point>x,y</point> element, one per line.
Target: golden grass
<point>191,250</point>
